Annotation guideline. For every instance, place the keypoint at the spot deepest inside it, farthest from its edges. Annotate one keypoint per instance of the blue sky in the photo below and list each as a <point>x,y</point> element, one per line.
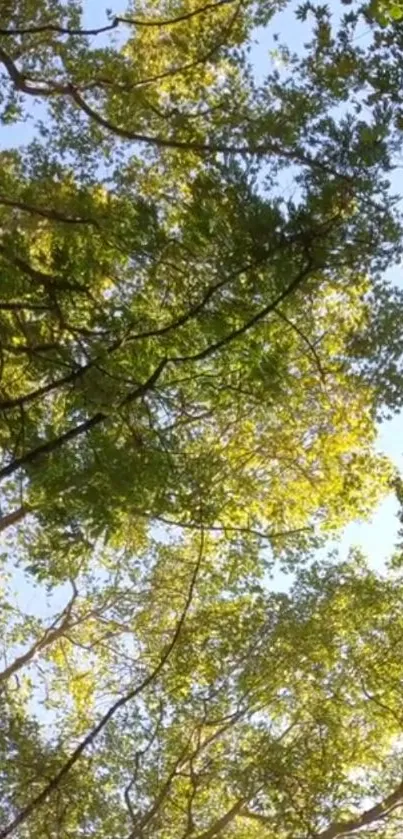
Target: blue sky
<point>377,537</point>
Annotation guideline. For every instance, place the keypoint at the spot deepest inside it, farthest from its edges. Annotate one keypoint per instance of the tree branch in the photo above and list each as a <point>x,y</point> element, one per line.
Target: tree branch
<point>306,341</point>
<point>259,316</point>
<point>55,631</point>
<point>47,281</point>
<point>221,823</point>
<point>368,817</point>
<point>224,528</point>
<point>26,85</point>
<point>181,68</point>
<point>58,29</point>
<point>55,782</point>
<point>51,446</point>
<point>53,215</point>
<point>21,84</point>
<point>17,305</point>
<point>259,150</point>
<point>209,7</point>
<point>249,814</point>
<point>66,30</point>
<point>182,320</point>
<point>12,518</point>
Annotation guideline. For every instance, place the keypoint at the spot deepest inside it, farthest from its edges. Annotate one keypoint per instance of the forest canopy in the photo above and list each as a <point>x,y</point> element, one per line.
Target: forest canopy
<point>197,342</point>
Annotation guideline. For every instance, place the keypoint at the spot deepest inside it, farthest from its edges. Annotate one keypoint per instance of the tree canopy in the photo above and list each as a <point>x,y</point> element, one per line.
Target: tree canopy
<point>196,342</point>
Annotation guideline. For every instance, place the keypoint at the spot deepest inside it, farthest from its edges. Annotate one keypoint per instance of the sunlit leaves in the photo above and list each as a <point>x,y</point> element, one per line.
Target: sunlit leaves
<point>195,344</point>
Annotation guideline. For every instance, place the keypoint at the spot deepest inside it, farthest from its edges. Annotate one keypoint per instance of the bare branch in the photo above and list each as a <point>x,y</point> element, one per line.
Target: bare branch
<point>227,528</point>
<point>17,305</point>
<point>55,631</point>
<point>53,215</point>
<point>209,7</point>
<point>12,518</point>
<point>221,823</point>
<point>58,29</point>
<point>157,22</point>
<point>306,341</point>
<point>367,818</point>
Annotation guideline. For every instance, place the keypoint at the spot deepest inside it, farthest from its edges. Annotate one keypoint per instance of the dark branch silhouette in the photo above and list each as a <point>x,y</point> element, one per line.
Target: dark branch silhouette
<point>365,819</point>
<point>53,445</point>
<point>271,148</point>
<point>44,212</point>
<point>128,21</point>
<point>84,427</point>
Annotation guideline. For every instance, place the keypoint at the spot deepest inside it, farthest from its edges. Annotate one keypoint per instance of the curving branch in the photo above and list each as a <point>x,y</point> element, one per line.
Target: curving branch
<point>271,536</point>
<point>258,150</point>
<point>58,29</point>
<point>82,428</point>
<point>57,629</point>
<point>220,824</point>
<point>186,757</point>
<point>253,321</point>
<point>9,519</point>
<point>196,62</point>
<point>52,215</point>
<point>365,819</point>
<point>80,371</point>
<point>27,85</point>
<point>294,155</point>
<point>137,760</point>
<point>128,21</point>
<point>53,785</point>
<point>157,22</point>
<point>100,417</point>
<point>47,281</point>
<point>21,83</point>
<point>137,832</point>
<point>306,341</point>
